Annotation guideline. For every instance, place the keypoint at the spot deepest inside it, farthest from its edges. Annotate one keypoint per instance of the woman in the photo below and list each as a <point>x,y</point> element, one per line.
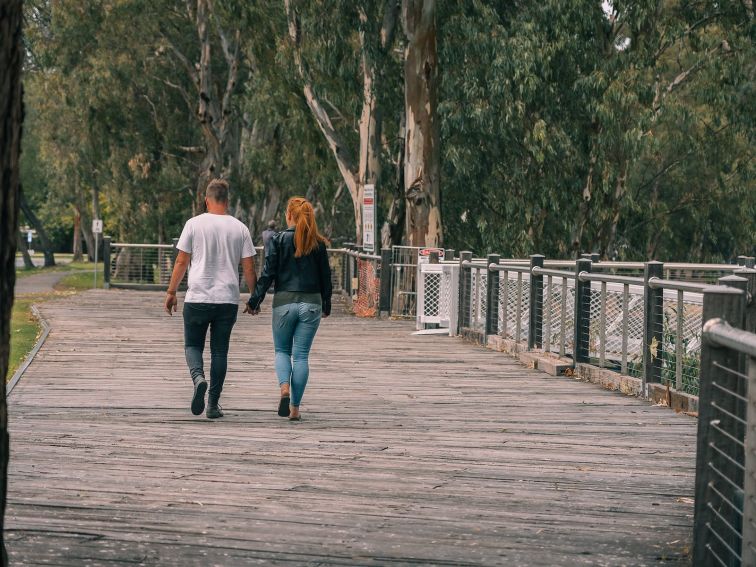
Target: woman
<point>297,263</point>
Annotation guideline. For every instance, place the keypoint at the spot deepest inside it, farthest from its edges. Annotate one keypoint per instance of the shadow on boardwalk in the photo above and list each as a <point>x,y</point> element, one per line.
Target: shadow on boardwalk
<point>413,450</point>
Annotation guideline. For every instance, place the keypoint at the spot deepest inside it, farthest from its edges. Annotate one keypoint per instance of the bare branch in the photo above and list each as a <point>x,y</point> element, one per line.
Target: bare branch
<point>339,148</point>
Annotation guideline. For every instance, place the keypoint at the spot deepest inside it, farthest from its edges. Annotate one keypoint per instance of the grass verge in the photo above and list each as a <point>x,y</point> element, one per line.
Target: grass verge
<point>25,329</point>
<point>25,273</point>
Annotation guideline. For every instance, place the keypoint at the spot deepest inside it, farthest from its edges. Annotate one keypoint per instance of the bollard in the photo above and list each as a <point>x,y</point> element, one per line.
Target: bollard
<point>492,297</point>
<point>535,334</point>
<point>465,288</point>
<point>385,301</point>
<point>106,251</point>
<point>581,352</point>
<point>449,254</point>
<point>653,317</point>
<point>724,304</point>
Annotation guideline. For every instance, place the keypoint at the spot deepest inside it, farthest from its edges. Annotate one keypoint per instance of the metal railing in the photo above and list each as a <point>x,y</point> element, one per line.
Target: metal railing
<point>147,266</point>
<point>647,327</point>
<point>725,491</point>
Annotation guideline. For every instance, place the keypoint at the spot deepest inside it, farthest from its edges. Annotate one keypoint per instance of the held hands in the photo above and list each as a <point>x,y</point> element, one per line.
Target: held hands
<point>171,303</point>
<point>248,309</point>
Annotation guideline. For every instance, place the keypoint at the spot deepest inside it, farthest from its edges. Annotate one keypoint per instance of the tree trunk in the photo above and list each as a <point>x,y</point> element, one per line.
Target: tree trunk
<point>44,241</point>
<point>421,158</point>
<point>86,232</point>
<point>21,241</point>
<point>78,254</point>
<point>11,117</point>
<point>393,229</point>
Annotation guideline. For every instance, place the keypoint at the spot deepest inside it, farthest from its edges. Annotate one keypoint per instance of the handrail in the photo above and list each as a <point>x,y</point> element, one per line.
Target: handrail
<point>609,265</point>
<point>361,255</point>
<point>474,265</point>
<point>129,245</point>
<point>627,280</point>
<point>721,333</point>
<point>509,268</point>
<point>538,271</point>
<point>658,283</point>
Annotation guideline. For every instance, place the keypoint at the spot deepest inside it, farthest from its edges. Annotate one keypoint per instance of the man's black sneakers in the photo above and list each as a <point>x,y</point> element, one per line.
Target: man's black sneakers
<point>214,410</point>
<point>198,399</point>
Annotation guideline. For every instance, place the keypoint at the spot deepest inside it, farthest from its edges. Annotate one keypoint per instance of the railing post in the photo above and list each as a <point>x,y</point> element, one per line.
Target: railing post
<point>106,251</point>
<point>535,335</point>
<point>749,481</point>
<point>750,317</point>
<point>653,318</point>
<point>386,267</point>
<point>582,313</point>
<point>465,285</point>
<point>449,254</point>
<point>725,304</point>
<point>492,297</point>
<point>433,257</point>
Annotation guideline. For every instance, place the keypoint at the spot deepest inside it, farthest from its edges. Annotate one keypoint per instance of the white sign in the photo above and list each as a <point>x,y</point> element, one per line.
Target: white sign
<point>29,236</point>
<point>368,219</point>
<point>97,226</point>
<point>423,255</point>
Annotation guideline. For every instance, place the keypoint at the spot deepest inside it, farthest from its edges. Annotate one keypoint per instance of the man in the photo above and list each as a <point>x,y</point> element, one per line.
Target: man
<point>267,234</point>
<point>215,243</point>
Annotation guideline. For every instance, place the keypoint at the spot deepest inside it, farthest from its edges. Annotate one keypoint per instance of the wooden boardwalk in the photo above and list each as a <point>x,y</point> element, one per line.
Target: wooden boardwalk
<point>413,450</point>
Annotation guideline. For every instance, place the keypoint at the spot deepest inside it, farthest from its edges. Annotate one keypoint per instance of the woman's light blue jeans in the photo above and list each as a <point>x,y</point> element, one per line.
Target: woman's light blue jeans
<point>294,328</point>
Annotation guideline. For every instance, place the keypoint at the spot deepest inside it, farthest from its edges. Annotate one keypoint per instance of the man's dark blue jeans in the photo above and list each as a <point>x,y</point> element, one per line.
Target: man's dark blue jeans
<point>220,318</point>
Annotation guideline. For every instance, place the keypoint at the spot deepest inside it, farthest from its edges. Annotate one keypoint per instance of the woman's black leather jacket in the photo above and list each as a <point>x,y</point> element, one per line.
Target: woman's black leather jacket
<point>308,274</point>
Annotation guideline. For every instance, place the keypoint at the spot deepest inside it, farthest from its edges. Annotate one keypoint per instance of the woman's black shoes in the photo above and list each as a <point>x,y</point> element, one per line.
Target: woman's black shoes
<point>283,406</point>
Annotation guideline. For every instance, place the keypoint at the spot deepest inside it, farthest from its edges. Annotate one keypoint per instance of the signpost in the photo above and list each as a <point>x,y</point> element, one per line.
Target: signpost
<point>97,231</point>
<point>368,219</point>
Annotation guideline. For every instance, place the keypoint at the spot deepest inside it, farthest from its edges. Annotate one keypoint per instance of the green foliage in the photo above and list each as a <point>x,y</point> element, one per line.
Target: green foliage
<point>565,126</point>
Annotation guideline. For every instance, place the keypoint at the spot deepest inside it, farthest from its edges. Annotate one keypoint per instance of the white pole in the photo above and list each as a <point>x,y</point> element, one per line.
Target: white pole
<point>96,235</point>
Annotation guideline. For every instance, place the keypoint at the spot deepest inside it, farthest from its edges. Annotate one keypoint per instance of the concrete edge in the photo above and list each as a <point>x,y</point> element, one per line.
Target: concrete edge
<point>659,394</point>
<point>30,357</point>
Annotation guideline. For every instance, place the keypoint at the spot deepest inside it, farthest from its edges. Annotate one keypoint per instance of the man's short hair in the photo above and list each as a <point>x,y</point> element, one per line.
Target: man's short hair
<point>217,190</point>
<point>272,225</point>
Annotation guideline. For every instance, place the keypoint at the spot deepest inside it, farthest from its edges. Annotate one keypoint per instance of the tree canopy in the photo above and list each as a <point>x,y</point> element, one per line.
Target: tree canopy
<point>556,127</point>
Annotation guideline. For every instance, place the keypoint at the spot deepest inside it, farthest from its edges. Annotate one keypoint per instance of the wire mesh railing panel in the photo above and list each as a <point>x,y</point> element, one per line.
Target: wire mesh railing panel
<point>478,299</point>
<point>368,297</point>
<point>617,327</point>
<point>404,261</point>
<point>558,319</point>
<point>514,306</point>
<point>141,264</point>
<point>679,342</point>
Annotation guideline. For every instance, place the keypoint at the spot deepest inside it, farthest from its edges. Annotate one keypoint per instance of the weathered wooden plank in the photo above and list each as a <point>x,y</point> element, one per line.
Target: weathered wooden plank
<point>414,450</point>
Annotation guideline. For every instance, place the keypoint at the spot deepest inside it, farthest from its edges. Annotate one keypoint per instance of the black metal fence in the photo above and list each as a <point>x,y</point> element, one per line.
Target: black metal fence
<point>725,510</point>
<point>645,326</point>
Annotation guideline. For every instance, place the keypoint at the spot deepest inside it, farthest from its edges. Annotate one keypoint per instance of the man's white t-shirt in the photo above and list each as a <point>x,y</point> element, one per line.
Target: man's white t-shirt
<point>217,244</point>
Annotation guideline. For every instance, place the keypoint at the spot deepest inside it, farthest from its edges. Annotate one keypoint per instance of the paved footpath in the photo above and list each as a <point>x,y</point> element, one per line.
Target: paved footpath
<point>39,283</point>
<point>413,450</point>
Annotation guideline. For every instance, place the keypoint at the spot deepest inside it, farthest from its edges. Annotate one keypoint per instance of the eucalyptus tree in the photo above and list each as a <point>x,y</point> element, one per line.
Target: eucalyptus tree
<point>422,182</point>
<point>346,44</point>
